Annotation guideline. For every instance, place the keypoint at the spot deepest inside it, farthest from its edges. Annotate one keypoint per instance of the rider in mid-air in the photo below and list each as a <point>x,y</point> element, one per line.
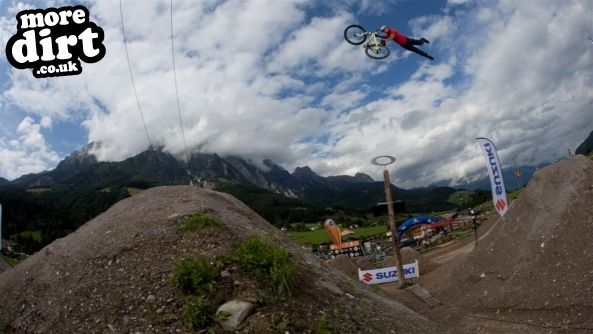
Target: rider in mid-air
<point>404,41</point>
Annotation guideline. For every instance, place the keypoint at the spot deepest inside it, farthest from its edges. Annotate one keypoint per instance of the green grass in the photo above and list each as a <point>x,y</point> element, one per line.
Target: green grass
<point>269,263</point>
<point>38,190</point>
<point>319,236</point>
<point>461,198</point>
<point>194,276</point>
<point>197,313</point>
<point>11,261</point>
<point>515,194</point>
<point>198,222</point>
<point>487,206</point>
<point>133,191</point>
<point>322,326</point>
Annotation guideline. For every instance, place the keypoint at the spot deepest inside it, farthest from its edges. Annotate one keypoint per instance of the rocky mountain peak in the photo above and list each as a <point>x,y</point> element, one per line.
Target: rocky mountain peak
<point>84,156</point>
<point>363,177</point>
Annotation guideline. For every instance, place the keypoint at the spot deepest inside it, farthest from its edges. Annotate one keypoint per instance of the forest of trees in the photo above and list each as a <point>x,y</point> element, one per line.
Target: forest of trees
<point>33,218</point>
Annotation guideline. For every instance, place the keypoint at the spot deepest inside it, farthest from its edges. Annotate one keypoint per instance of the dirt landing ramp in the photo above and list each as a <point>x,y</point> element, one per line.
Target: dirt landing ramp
<point>536,266</point>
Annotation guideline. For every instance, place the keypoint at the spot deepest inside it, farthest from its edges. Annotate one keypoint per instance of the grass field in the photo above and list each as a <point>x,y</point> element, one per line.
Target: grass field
<point>515,194</point>
<point>461,198</point>
<point>489,207</point>
<point>319,236</point>
<point>38,190</point>
<point>133,191</point>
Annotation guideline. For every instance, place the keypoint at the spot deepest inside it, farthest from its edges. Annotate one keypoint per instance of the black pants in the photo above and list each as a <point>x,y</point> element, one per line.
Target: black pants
<point>410,47</point>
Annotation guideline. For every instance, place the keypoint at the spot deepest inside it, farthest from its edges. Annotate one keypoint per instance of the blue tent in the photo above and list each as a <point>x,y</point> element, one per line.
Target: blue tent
<point>415,221</point>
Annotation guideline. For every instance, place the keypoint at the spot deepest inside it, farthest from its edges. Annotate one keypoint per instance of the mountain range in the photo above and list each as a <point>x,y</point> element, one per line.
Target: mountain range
<point>44,206</point>
<point>81,170</point>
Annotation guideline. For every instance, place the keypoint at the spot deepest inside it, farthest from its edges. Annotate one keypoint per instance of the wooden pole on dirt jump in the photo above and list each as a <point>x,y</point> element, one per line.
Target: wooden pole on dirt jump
<point>394,235</point>
<point>385,160</point>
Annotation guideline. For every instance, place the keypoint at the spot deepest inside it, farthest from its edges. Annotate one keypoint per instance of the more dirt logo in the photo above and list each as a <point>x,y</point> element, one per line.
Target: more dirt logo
<point>53,41</point>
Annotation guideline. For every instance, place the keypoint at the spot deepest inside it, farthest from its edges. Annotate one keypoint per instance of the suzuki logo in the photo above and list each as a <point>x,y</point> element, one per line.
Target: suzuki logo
<point>500,205</point>
<point>367,277</point>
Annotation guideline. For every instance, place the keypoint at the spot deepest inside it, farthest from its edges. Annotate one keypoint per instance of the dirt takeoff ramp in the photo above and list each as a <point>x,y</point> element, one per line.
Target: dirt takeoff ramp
<point>536,266</point>
<point>113,275</point>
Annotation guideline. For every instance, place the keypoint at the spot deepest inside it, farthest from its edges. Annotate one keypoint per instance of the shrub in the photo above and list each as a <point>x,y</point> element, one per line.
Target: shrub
<point>198,222</point>
<point>196,313</point>
<point>322,326</point>
<point>194,276</point>
<point>269,263</point>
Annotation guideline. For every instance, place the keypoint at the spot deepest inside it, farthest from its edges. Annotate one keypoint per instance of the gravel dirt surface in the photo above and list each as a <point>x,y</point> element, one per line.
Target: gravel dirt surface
<point>113,275</point>
<point>3,265</point>
<point>532,271</point>
<point>535,267</point>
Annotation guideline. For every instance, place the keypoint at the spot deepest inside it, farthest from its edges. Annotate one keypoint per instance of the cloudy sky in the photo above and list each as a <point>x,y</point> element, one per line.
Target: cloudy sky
<point>275,79</point>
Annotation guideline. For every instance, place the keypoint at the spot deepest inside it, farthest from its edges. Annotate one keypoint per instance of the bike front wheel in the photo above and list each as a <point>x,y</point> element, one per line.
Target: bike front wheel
<point>377,51</point>
<point>355,34</point>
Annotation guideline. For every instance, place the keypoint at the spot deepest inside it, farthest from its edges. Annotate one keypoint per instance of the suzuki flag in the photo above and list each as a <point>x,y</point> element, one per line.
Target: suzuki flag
<point>499,194</point>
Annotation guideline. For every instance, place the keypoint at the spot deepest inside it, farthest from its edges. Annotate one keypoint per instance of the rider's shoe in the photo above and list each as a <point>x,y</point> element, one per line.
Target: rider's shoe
<point>382,42</point>
<point>425,40</point>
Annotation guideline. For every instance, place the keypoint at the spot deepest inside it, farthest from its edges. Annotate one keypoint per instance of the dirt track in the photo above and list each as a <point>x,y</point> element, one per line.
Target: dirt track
<point>532,272</point>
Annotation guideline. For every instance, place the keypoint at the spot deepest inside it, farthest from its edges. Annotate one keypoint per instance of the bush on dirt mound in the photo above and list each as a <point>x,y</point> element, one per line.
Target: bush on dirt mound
<point>142,267</point>
<point>536,266</point>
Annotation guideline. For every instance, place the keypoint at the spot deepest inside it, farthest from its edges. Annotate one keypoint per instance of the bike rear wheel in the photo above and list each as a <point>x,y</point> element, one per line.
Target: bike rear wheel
<point>377,51</point>
<point>355,34</point>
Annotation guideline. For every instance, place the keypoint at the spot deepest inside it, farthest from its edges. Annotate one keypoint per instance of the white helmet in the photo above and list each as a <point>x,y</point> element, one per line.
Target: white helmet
<point>383,27</point>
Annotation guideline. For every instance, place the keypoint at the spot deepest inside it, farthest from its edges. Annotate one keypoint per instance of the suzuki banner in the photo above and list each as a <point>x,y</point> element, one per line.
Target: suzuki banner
<point>389,274</point>
<point>499,194</point>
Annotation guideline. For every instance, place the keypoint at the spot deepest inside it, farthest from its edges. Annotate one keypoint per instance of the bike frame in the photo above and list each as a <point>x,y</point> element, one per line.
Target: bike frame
<point>374,43</point>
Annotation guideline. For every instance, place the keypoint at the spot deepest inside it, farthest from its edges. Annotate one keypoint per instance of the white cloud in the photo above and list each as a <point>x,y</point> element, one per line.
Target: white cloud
<point>271,79</point>
<point>458,2</point>
<point>527,86</point>
<point>29,152</point>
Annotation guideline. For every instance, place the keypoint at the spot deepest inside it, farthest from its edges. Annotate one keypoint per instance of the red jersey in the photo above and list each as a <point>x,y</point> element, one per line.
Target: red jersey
<point>396,37</point>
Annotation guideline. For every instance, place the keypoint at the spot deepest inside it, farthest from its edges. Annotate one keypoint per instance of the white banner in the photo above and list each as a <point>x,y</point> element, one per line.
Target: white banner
<point>389,274</point>
<point>499,193</point>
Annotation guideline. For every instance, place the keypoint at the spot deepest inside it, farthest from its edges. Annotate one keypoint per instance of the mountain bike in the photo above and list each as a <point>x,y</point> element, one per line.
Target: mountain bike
<point>374,48</point>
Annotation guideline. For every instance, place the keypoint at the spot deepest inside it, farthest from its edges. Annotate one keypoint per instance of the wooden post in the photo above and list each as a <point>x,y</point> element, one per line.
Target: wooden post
<point>475,226</point>
<point>394,235</point>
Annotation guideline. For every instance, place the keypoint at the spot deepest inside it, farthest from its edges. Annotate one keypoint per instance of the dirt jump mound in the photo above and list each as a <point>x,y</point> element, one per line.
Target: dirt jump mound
<point>115,275</point>
<point>536,266</point>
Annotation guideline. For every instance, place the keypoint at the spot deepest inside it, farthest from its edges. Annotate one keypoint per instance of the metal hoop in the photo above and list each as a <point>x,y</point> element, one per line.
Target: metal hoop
<point>376,162</point>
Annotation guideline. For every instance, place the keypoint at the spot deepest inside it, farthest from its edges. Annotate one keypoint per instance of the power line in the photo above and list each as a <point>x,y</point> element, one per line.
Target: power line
<point>131,75</point>
<point>176,89</point>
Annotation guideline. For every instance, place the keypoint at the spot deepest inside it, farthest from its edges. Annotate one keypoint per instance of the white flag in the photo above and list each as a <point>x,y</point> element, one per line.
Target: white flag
<point>499,194</point>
